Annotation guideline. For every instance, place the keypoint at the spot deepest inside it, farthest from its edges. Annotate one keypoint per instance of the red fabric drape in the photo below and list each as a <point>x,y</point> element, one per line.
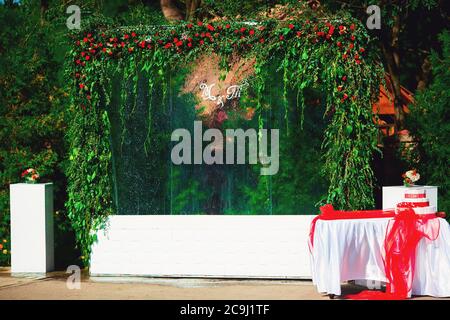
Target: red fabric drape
<point>403,233</point>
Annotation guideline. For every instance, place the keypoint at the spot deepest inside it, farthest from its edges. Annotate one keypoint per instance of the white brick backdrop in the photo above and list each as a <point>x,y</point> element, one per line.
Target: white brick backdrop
<point>211,246</point>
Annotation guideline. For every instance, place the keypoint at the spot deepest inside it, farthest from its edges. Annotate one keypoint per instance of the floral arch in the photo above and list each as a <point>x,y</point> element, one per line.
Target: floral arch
<point>332,53</point>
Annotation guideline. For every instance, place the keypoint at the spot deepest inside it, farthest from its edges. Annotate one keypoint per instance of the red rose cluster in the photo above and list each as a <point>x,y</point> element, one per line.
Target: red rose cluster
<point>237,36</point>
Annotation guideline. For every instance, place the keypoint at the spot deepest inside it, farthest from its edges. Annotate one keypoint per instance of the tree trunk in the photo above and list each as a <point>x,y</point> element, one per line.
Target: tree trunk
<point>424,74</point>
<point>191,7</point>
<point>44,8</point>
<point>391,54</point>
<point>170,11</point>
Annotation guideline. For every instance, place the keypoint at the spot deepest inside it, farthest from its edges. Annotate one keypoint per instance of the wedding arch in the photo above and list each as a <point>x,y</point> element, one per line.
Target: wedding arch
<point>332,53</point>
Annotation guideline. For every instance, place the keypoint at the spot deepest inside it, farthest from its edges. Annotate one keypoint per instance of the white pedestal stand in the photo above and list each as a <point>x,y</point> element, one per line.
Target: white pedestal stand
<point>393,195</point>
<point>32,246</point>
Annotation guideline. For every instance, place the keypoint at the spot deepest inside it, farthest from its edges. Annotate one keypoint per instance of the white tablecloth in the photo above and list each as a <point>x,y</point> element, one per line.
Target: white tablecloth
<point>351,249</point>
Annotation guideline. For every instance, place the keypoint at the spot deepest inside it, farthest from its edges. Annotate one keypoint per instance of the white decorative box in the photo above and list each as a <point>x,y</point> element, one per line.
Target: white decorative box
<point>32,245</point>
<point>395,194</point>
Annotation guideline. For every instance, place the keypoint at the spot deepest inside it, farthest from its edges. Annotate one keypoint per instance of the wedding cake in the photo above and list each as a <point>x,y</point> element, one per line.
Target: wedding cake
<point>416,198</point>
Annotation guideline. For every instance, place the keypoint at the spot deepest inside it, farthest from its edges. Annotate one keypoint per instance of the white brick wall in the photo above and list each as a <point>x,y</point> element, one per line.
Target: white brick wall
<point>213,246</point>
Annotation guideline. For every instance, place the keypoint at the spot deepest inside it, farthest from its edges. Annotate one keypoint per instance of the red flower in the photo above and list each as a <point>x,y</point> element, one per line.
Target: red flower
<point>352,27</point>
<point>133,34</point>
<point>199,23</point>
<point>201,42</point>
<point>77,75</point>
<point>110,53</point>
<point>344,98</point>
<point>81,86</point>
<point>251,32</point>
<point>243,29</point>
<point>299,33</point>
<point>208,35</point>
<point>89,35</point>
<point>344,78</point>
<point>78,42</point>
<point>189,25</point>
<point>168,45</point>
<point>228,26</point>
<point>87,58</point>
<point>281,37</point>
<point>352,38</point>
<point>341,28</point>
<point>210,27</point>
<point>339,88</point>
<point>358,61</point>
<point>339,44</point>
<point>179,43</point>
<point>142,44</point>
<point>126,36</point>
<point>331,30</point>
<point>104,49</point>
<point>85,39</point>
<point>130,49</point>
<point>175,40</point>
<point>344,56</point>
<point>356,56</point>
<point>362,50</point>
<point>261,40</point>
<point>291,26</point>
<point>83,53</point>
<point>351,46</point>
<point>221,116</point>
<point>320,33</point>
<point>88,97</point>
<point>189,44</point>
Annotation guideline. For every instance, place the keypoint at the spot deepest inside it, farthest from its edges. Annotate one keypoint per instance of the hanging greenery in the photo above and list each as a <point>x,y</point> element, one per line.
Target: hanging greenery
<point>333,55</point>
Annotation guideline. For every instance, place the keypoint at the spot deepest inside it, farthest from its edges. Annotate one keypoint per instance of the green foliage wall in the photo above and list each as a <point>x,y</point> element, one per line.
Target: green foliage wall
<point>331,54</point>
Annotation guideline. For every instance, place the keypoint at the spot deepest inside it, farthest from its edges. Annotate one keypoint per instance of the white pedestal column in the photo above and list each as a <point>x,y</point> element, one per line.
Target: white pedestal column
<point>32,245</point>
<point>393,195</point>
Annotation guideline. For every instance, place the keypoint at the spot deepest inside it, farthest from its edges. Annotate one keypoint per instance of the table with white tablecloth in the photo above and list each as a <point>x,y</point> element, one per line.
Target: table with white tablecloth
<point>352,249</point>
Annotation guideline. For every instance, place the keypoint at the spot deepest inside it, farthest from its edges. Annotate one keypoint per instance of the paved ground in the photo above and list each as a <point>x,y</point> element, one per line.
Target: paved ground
<point>53,286</point>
